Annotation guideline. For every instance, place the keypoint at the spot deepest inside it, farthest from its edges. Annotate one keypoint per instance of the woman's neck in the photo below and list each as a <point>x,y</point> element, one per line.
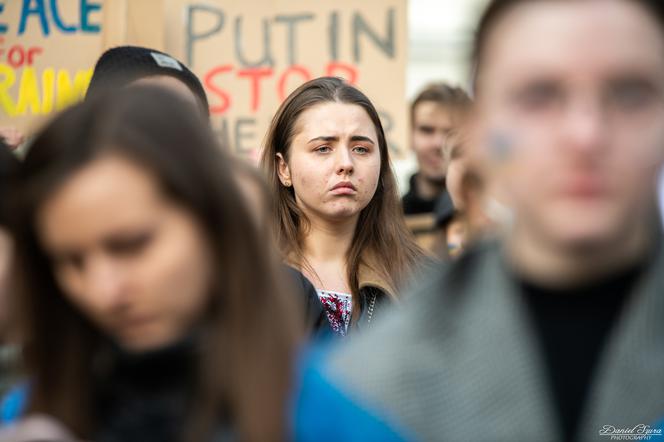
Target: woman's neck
<point>325,249</point>
<point>327,240</point>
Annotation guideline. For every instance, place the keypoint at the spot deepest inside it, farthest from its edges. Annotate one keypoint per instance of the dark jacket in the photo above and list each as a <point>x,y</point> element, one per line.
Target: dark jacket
<point>413,204</point>
<point>425,217</point>
<point>316,322</point>
<point>375,295</point>
<point>139,397</point>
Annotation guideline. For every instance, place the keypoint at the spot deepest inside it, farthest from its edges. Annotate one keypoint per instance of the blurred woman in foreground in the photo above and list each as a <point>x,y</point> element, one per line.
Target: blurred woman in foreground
<point>149,306</point>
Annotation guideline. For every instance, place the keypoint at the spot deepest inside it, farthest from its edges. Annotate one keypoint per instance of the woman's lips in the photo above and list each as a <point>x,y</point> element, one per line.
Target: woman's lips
<point>344,188</point>
<point>132,323</point>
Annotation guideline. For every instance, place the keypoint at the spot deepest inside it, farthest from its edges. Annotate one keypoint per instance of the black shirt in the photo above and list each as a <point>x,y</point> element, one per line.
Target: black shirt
<point>315,319</point>
<point>145,397</point>
<point>413,204</point>
<point>573,326</point>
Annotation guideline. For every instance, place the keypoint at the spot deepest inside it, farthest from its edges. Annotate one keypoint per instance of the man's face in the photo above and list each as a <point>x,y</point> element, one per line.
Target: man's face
<point>432,123</point>
<point>571,117</point>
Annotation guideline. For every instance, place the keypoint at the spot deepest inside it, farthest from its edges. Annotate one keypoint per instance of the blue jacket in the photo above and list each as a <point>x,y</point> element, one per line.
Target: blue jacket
<point>13,405</point>
<point>323,412</point>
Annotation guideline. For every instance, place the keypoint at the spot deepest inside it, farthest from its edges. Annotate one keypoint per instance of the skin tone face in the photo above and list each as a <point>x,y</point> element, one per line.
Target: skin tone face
<point>130,259</point>
<point>170,83</point>
<point>570,110</point>
<point>12,137</point>
<point>456,168</point>
<point>333,162</point>
<point>432,123</point>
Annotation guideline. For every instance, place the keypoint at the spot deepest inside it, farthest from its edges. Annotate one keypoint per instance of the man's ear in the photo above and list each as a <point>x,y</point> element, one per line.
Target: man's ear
<point>284,171</point>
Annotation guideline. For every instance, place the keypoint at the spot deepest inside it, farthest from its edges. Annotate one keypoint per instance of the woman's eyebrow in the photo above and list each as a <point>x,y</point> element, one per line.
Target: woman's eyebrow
<point>323,138</point>
<point>362,138</point>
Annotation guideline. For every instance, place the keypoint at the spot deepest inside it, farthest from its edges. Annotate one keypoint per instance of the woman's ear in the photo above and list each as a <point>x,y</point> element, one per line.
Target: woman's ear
<point>283,170</point>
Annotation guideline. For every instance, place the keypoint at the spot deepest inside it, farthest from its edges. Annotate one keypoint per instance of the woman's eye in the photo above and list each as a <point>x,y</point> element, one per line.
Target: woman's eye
<point>131,244</point>
<point>323,149</point>
<point>71,261</point>
<point>360,149</point>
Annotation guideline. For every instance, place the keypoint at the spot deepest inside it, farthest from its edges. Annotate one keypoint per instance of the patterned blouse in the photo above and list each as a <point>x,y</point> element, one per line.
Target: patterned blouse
<point>338,308</point>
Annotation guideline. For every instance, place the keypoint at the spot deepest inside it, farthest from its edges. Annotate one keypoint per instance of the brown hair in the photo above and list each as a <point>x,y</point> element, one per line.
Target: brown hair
<point>454,98</point>
<point>8,167</point>
<point>497,9</point>
<point>248,324</point>
<point>381,231</point>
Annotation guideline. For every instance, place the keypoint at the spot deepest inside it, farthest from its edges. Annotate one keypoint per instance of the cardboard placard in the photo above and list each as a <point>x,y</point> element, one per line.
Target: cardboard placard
<point>249,55</point>
<point>47,50</point>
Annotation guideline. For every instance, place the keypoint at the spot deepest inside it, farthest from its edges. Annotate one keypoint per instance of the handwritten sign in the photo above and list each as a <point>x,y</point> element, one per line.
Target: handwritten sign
<point>47,50</point>
<point>250,55</point>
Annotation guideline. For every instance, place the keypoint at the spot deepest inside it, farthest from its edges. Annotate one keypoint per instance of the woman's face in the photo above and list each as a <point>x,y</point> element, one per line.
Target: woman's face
<point>333,162</point>
<point>129,258</point>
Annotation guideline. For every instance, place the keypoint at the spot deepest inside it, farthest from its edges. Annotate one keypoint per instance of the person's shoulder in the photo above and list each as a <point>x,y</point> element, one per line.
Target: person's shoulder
<point>400,337</point>
<point>359,380</point>
<point>388,366</point>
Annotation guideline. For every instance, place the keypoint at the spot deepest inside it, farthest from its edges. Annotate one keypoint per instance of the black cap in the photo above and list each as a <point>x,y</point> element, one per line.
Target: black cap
<point>117,67</point>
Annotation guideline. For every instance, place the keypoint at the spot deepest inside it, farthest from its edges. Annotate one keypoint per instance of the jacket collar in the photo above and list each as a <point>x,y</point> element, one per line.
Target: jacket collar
<point>368,275</point>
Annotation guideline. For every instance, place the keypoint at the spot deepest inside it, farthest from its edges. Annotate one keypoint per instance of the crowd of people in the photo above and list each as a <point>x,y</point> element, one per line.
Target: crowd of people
<point>154,287</point>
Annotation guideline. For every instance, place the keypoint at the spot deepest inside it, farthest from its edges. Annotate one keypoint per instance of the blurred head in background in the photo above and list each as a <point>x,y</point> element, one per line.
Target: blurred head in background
<point>466,212</point>
<point>133,65</point>
<point>569,120</point>
<point>135,233</point>
<point>435,113</point>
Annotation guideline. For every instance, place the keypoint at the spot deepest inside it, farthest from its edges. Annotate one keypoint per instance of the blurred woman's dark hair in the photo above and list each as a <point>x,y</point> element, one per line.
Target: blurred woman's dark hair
<point>9,165</point>
<point>246,340</point>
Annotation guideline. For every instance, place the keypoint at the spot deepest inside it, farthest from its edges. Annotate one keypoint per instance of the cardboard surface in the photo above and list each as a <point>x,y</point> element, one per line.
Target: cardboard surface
<point>248,54</point>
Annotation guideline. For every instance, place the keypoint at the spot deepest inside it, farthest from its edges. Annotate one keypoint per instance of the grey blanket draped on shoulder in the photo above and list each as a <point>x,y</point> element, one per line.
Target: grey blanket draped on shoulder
<point>461,360</point>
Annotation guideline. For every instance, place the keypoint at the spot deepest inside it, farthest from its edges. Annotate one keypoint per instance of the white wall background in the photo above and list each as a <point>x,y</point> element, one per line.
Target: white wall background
<point>439,40</point>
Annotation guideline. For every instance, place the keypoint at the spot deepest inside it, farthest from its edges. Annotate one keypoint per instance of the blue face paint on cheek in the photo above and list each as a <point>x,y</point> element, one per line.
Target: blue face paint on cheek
<point>500,146</point>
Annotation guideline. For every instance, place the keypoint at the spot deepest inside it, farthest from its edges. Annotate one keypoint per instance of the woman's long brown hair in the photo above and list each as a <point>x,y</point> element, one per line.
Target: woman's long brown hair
<point>248,335</point>
<point>381,233</point>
